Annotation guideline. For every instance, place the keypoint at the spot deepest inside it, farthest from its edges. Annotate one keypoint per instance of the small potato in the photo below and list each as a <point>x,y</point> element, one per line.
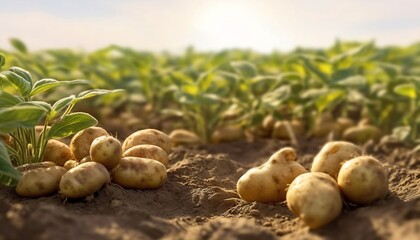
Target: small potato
<point>323,125</point>
<point>228,133</point>
<point>341,125</point>
<point>107,151</point>
<point>267,125</point>
<point>148,151</point>
<point>39,129</point>
<point>332,156</point>
<point>85,160</point>
<point>57,152</point>
<point>362,133</point>
<point>268,182</point>
<point>148,136</point>
<point>40,181</point>
<point>363,180</point>
<point>184,137</point>
<point>30,166</point>
<point>315,198</point>
<point>84,180</point>
<point>139,173</point>
<point>70,164</point>
<point>280,129</point>
<point>80,143</point>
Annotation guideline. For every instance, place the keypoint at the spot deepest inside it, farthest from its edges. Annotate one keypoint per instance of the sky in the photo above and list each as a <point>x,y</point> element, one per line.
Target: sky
<point>212,25</point>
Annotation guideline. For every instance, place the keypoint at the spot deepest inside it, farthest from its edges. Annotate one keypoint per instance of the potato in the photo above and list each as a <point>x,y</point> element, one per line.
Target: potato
<point>85,160</point>
<point>84,180</point>
<point>30,166</point>
<point>57,152</point>
<point>70,164</point>
<point>267,125</point>
<point>39,129</point>
<point>323,125</point>
<point>315,198</point>
<point>148,136</point>
<point>107,151</point>
<point>148,151</point>
<point>228,133</point>
<point>184,137</point>
<point>280,129</point>
<point>332,156</point>
<point>268,182</point>
<point>362,133</point>
<point>341,125</point>
<point>40,181</point>
<point>80,143</point>
<point>363,180</point>
<point>139,173</point>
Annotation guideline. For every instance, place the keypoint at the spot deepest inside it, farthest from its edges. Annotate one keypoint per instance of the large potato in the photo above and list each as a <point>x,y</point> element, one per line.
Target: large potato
<point>84,180</point>
<point>148,151</point>
<point>332,156</point>
<point>107,151</point>
<point>80,143</point>
<point>184,137</point>
<point>228,133</point>
<point>315,198</point>
<point>40,181</point>
<point>268,182</point>
<point>57,152</point>
<point>30,166</point>
<point>139,173</point>
<point>148,136</point>
<point>363,180</point>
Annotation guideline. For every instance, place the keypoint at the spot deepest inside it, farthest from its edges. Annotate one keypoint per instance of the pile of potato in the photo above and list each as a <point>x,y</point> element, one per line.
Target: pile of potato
<point>339,173</point>
<point>93,160</point>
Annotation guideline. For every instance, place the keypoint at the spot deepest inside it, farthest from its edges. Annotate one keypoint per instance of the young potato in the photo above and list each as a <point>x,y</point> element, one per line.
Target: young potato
<point>362,133</point>
<point>341,125</point>
<point>315,198</point>
<point>139,173</point>
<point>70,164</point>
<point>57,152</point>
<point>80,143</point>
<point>84,180</point>
<point>148,151</point>
<point>332,156</point>
<point>280,129</point>
<point>267,125</point>
<point>184,137</point>
<point>148,136</point>
<point>323,125</point>
<point>40,181</point>
<point>268,182</point>
<point>363,180</point>
<point>107,151</point>
<point>228,133</point>
<point>30,166</point>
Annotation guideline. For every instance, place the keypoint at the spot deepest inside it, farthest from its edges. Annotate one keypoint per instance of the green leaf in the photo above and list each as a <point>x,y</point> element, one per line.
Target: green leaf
<point>401,133</point>
<point>205,80</point>
<point>20,116</point>
<point>2,60</point>
<point>18,80</point>
<point>353,81</point>
<point>328,99</point>
<point>71,124</point>
<point>190,89</point>
<point>60,105</point>
<point>277,97</point>
<point>406,90</point>
<point>46,106</point>
<point>18,45</point>
<point>9,176</point>
<point>95,92</point>
<point>245,69</point>
<point>209,98</point>
<point>48,83</point>
<point>8,100</point>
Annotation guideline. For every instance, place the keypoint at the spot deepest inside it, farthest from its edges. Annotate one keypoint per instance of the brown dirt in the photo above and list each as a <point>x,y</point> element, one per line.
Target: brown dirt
<point>199,201</point>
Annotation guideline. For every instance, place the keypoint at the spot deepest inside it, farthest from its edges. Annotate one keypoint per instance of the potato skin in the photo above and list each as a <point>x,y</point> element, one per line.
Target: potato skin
<point>227,133</point>
<point>57,152</point>
<point>332,155</point>
<point>363,180</point>
<point>362,133</point>
<point>70,164</point>
<point>184,137</point>
<point>268,182</point>
<point>139,173</point>
<point>315,198</point>
<point>84,180</point>
<point>81,141</point>
<point>40,181</point>
<point>148,151</point>
<point>148,136</point>
<point>280,129</point>
<point>107,151</point>
<point>30,166</point>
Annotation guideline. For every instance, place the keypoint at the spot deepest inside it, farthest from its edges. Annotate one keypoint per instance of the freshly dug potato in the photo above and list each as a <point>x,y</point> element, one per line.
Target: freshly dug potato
<point>80,143</point>
<point>40,181</point>
<point>57,152</point>
<point>139,173</point>
<point>148,136</point>
<point>280,129</point>
<point>184,137</point>
<point>227,133</point>
<point>107,151</point>
<point>341,125</point>
<point>315,198</point>
<point>323,125</point>
<point>332,156</point>
<point>30,166</point>
<point>268,182</point>
<point>148,151</point>
<point>84,180</point>
<point>70,164</point>
<point>363,180</point>
<point>267,125</point>
<point>362,133</point>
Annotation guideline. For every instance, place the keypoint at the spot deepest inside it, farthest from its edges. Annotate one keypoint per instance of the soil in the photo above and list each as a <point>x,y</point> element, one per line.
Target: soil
<point>199,201</point>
